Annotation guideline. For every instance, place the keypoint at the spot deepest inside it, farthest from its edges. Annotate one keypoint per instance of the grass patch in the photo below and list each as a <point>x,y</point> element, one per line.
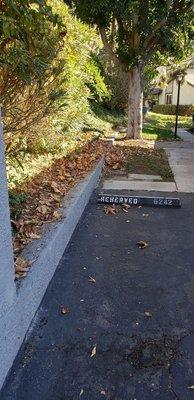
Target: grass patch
<point>149,161</point>
<point>136,159</point>
<point>159,126</point>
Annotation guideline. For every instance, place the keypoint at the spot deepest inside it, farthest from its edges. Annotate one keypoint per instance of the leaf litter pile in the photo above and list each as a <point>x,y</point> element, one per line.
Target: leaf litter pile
<point>45,195</point>
<point>46,190</point>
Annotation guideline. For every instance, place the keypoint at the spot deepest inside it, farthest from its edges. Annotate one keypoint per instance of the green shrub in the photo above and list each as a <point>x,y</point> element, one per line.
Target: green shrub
<point>16,201</point>
<point>96,84</point>
<point>170,109</point>
<point>46,85</point>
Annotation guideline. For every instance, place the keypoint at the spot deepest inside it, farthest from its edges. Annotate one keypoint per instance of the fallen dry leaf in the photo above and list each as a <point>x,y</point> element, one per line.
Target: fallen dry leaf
<point>64,310</point>
<point>43,209</point>
<point>91,279</point>
<point>110,210</point>
<point>142,244</point>
<point>116,166</point>
<point>19,276</point>
<point>22,266</point>
<point>94,351</point>
<point>126,206</point>
<point>46,190</point>
<point>55,187</point>
<point>57,214</point>
<point>33,235</point>
<point>148,314</point>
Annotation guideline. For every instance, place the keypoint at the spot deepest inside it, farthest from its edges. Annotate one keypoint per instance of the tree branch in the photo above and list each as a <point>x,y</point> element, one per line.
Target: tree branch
<point>108,46</point>
<point>158,26</point>
<point>149,39</point>
<point>113,29</point>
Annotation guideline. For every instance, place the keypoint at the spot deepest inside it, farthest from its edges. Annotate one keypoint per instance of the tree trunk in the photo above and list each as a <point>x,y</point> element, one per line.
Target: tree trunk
<point>135,103</point>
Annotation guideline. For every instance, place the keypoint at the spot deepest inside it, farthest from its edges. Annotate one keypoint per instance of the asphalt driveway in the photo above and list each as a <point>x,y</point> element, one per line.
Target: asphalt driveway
<point>117,321</point>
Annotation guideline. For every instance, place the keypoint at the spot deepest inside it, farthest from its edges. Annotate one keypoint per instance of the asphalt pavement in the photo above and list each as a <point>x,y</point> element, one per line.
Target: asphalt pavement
<point>117,321</point>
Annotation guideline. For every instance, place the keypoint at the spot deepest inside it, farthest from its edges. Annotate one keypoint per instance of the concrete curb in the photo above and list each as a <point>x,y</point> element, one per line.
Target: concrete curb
<point>15,323</point>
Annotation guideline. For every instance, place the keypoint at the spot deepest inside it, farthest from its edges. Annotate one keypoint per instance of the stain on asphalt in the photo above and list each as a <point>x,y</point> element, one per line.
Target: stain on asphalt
<point>138,313</point>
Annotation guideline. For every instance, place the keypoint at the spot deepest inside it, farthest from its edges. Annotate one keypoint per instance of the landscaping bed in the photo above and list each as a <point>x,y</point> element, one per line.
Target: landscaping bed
<point>44,193</point>
<point>38,188</point>
<point>139,158</point>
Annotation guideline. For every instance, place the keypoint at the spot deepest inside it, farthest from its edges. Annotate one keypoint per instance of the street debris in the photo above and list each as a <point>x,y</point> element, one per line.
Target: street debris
<point>110,209</point>
<point>21,267</point>
<point>64,310</point>
<point>142,244</point>
<point>94,351</point>
<point>91,279</point>
<point>148,314</point>
<point>125,207</point>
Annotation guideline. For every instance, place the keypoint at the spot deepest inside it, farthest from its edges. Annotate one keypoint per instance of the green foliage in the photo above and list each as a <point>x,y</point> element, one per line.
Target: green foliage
<point>102,119</point>
<point>82,75</point>
<point>170,109</point>
<point>43,153</point>
<point>96,84</point>
<point>159,126</point>
<point>118,82</point>
<point>16,201</point>
<point>140,29</point>
<point>27,35</point>
<point>48,74</point>
<point>30,42</point>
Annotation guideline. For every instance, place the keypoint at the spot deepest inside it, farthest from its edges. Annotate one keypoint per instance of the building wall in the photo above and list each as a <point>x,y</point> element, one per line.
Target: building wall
<point>186,92</point>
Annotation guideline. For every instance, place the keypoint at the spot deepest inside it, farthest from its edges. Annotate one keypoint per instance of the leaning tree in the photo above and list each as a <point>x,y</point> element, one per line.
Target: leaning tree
<point>135,31</point>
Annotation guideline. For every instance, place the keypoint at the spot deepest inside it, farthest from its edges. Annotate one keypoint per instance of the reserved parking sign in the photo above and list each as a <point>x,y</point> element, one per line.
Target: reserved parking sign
<point>139,200</point>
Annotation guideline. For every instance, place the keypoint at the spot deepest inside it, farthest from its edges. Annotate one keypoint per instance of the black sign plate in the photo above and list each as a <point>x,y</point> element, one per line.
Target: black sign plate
<point>139,201</point>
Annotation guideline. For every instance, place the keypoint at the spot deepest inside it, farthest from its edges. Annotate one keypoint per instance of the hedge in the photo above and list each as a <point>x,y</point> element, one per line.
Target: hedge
<point>170,109</point>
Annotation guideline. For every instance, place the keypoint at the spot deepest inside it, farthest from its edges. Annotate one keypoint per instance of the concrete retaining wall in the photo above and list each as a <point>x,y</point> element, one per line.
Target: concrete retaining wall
<point>7,286</point>
<point>15,322</point>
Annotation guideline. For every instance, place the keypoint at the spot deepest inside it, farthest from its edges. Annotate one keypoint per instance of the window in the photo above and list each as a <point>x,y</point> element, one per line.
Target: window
<point>169,98</point>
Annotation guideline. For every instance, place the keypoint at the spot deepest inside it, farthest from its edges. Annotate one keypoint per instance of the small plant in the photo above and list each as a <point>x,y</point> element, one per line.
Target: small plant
<point>15,201</point>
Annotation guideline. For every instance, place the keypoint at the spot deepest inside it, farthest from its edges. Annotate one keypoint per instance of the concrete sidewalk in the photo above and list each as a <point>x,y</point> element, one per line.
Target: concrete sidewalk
<point>185,135</point>
<point>136,318</point>
<point>181,160</point>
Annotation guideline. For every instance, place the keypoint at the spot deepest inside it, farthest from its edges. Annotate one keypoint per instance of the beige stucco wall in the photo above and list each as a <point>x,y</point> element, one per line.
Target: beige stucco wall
<point>186,94</point>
